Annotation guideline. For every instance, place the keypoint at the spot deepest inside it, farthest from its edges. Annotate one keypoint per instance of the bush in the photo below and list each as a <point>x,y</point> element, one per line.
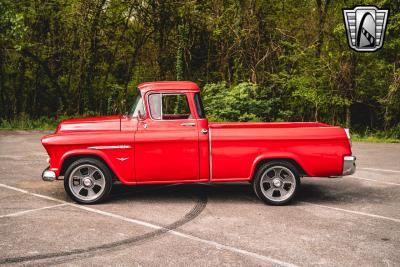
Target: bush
<point>242,102</point>
<point>395,132</point>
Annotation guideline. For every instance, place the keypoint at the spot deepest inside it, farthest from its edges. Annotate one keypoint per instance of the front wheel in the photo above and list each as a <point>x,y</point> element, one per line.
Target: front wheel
<point>276,182</point>
<point>88,181</point>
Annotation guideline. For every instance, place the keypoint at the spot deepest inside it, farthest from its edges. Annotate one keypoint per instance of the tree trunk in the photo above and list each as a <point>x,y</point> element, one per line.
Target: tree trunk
<point>352,89</point>
<point>348,117</point>
<point>3,107</point>
<point>19,94</point>
<point>322,10</point>
<point>162,41</point>
<point>89,96</point>
<point>112,61</point>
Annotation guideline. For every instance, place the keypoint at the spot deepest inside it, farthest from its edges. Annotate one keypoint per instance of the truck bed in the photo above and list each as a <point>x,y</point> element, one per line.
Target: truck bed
<point>317,148</point>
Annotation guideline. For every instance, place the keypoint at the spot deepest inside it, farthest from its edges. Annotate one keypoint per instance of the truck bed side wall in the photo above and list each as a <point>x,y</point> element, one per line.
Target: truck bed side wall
<point>237,151</point>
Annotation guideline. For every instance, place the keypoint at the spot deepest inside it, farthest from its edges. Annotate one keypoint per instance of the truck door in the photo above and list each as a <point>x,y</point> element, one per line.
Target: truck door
<point>166,142</point>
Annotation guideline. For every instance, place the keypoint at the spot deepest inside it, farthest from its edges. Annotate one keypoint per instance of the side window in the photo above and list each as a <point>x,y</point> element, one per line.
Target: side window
<point>169,106</point>
<point>199,106</point>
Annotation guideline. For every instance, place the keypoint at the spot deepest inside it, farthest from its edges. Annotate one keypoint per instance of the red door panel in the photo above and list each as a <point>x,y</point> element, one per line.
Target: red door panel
<point>167,150</point>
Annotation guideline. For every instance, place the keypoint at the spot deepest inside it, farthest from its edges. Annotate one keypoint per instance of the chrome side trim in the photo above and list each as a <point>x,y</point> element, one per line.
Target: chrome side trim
<point>209,153</point>
<point>110,147</point>
<point>188,124</point>
<point>349,165</point>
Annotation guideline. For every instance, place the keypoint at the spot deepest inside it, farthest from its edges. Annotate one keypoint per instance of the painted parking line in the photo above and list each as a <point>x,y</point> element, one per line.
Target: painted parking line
<point>157,227</point>
<point>373,180</point>
<point>383,170</point>
<point>353,212</point>
<point>32,210</point>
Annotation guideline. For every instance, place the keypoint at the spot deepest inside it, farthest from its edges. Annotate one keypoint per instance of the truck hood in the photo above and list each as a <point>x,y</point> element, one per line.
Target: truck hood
<point>103,123</point>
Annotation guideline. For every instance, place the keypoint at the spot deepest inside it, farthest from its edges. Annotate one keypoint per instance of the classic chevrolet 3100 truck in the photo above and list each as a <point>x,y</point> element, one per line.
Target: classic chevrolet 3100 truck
<point>166,138</point>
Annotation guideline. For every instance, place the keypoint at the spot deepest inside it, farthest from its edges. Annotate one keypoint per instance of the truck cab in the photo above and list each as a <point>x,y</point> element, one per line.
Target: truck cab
<point>171,139</point>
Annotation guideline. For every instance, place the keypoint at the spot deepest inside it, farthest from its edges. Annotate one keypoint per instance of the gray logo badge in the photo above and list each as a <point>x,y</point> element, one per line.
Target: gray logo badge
<point>365,27</point>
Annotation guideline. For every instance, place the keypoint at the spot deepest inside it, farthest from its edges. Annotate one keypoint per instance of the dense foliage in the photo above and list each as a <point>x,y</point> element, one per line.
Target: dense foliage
<point>255,60</point>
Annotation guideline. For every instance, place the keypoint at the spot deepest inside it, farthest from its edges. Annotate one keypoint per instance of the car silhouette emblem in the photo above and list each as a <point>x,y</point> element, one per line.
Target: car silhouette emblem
<point>365,26</point>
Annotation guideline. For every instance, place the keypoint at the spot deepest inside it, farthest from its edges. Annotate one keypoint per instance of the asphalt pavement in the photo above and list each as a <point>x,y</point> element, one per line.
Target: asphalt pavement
<point>350,221</point>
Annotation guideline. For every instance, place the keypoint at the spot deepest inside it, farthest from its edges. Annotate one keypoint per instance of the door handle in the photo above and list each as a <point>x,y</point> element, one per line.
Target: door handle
<point>204,131</point>
<point>188,124</point>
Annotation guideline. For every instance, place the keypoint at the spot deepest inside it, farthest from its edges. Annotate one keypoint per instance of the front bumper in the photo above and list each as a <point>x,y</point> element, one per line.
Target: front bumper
<point>349,165</point>
<point>48,175</point>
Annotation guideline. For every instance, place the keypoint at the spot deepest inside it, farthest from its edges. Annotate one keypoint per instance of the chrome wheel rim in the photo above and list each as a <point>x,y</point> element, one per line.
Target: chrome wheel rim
<point>278,183</point>
<point>87,182</point>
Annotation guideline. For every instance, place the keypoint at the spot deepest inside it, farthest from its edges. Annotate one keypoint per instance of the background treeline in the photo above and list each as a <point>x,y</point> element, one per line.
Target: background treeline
<point>279,60</point>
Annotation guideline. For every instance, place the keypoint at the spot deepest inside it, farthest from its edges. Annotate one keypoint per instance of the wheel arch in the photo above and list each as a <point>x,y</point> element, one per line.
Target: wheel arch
<point>262,160</point>
<point>68,159</point>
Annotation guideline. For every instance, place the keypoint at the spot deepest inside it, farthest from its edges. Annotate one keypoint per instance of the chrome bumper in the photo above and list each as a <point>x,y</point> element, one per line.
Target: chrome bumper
<point>349,165</point>
<point>48,175</point>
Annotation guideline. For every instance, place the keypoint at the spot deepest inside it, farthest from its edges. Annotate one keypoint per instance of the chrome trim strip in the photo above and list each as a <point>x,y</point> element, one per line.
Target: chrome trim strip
<point>110,147</point>
<point>210,153</point>
<point>188,124</point>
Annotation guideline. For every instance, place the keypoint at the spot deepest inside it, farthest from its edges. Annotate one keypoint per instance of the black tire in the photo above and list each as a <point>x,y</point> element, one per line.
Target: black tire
<point>288,178</point>
<point>100,170</point>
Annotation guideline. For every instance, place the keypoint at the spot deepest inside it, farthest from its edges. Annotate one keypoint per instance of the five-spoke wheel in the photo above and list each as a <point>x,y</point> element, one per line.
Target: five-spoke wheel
<point>88,181</point>
<point>276,182</point>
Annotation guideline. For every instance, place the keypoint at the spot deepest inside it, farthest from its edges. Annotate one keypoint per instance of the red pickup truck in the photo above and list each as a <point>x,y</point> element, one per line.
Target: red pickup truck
<point>166,138</point>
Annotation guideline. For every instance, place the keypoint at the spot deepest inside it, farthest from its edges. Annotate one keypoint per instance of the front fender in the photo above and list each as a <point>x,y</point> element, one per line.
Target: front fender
<point>123,169</point>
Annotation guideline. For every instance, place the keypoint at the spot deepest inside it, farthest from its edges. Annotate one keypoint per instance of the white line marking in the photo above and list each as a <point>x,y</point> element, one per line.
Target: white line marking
<point>372,180</point>
<point>353,212</point>
<point>14,188</point>
<point>374,169</point>
<point>157,227</point>
<point>32,210</point>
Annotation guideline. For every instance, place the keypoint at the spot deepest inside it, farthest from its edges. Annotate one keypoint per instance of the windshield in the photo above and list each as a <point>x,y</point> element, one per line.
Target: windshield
<point>137,107</point>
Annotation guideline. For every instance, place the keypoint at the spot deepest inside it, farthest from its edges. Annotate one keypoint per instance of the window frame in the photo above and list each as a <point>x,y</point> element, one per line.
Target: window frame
<point>161,103</point>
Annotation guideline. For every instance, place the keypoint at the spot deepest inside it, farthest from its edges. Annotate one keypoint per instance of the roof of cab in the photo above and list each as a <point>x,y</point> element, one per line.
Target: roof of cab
<point>168,85</point>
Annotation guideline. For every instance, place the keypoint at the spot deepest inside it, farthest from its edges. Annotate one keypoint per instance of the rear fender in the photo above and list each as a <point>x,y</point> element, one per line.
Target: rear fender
<point>278,155</point>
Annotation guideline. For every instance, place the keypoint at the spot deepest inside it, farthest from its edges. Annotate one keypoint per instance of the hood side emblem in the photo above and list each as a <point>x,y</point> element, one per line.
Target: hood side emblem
<point>122,159</point>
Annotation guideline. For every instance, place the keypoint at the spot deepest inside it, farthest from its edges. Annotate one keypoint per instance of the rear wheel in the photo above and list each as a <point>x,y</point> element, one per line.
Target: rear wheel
<point>276,182</point>
<point>88,181</point>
